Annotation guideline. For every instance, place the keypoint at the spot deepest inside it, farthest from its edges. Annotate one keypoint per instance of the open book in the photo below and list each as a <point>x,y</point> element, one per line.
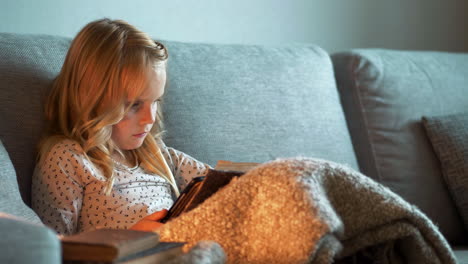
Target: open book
<point>201,188</point>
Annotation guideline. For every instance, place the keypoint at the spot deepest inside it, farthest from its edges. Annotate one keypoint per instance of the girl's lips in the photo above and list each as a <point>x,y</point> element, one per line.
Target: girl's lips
<point>140,135</point>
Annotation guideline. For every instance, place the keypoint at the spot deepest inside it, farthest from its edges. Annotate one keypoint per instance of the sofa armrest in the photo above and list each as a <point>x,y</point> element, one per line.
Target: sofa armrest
<point>26,242</point>
<point>461,253</point>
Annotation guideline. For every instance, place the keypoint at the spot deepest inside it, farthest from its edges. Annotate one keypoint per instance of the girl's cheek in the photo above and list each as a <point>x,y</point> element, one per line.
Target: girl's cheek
<point>128,116</point>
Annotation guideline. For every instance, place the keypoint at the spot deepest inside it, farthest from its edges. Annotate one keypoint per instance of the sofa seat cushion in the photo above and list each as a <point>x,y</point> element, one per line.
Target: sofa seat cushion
<point>385,93</point>
<point>254,103</point>
<point>449,137</point>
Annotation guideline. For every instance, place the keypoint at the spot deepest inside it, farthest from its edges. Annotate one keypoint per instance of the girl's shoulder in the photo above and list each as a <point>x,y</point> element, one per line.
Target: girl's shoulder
<point>62,147</point>
<point>65,158</point>
<point>66,145</point>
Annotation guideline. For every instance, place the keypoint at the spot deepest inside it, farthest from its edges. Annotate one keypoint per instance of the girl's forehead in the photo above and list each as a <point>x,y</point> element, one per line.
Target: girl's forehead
<point>154,83</point>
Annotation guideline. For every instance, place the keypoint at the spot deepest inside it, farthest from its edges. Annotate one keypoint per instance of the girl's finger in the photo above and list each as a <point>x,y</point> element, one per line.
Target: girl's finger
<point>156,215</point>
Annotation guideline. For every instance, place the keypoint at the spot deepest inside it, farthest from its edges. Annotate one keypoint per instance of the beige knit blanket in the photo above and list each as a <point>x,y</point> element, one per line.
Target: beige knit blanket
<point>310,211</point>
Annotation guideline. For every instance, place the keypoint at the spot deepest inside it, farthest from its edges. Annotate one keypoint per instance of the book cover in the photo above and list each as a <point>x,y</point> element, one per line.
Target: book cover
<point>106,245</point>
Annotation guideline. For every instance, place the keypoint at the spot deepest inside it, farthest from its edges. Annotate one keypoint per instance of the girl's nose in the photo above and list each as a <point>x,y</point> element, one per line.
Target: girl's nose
<point>148,115</point>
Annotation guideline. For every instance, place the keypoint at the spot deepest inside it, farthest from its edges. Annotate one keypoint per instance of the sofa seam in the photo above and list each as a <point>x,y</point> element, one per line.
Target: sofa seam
<point>364,117</point>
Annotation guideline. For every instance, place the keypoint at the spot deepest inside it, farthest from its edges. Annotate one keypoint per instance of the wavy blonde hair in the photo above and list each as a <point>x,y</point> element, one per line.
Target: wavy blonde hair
<point>104,67</point>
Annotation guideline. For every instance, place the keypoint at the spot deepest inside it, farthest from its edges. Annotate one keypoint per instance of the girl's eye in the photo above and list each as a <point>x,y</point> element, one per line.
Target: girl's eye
<point>136,105</point>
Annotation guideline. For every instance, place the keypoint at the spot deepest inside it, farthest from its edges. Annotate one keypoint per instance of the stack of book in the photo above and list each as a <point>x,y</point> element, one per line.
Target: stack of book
<point>117,246</point>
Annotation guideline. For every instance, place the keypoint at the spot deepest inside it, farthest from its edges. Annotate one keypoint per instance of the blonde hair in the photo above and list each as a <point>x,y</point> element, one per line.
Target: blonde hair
<point>105,66</point>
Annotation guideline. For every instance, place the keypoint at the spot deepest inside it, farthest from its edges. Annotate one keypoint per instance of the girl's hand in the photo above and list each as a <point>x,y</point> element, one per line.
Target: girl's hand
<point>150,222</point>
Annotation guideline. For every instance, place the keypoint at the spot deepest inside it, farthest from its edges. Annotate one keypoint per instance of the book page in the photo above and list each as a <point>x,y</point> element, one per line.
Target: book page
<point>226,165</point>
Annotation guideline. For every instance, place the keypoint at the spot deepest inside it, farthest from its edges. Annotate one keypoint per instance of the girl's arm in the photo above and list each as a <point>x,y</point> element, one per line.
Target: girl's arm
<point>57,189</point>
<point>183,166</point>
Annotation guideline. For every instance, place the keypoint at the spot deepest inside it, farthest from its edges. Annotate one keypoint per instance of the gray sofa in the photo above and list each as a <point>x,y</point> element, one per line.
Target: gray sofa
<point>254,103</point>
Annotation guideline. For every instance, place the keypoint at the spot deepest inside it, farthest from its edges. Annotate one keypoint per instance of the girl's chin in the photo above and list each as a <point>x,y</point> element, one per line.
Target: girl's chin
<point>132,145</point>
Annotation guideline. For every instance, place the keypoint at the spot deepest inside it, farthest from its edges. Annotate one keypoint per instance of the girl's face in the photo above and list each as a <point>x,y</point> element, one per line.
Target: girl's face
<point>131,131</point>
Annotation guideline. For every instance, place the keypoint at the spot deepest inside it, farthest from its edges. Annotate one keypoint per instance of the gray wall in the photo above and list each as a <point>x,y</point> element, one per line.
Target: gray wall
<point>332,24</point>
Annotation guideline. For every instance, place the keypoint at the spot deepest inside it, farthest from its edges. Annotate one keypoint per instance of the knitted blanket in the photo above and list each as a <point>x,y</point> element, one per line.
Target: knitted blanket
<point>311,211</point>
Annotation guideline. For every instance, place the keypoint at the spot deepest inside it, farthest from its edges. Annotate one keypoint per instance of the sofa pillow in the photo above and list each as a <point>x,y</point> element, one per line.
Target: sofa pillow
<point>384,95</point>
<point>449,137</point>
<point>10,198</point>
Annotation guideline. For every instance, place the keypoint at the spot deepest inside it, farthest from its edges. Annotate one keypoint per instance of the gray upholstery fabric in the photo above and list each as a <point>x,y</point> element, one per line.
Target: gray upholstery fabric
<point>23,242</point>
<point>449,137</point>
<point>28,63</point>
<point>253,104</point>
<point>384,94</point>
<point>10,198</point>
<point>461,253</point>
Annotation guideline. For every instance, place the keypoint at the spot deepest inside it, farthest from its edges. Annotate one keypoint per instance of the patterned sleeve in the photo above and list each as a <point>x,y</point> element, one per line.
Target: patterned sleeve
<point>57,188</point>
<point>183,166</point>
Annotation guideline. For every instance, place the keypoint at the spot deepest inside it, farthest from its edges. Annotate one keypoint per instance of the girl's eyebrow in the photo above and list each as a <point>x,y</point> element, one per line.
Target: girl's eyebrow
<point>140,99</point>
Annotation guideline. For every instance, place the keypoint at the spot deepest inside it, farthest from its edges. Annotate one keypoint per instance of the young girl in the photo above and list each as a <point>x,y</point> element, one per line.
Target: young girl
<point>102,162</point>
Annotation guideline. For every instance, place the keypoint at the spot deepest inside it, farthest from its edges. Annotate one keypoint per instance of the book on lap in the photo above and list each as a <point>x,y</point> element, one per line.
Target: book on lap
<point>201,188</point>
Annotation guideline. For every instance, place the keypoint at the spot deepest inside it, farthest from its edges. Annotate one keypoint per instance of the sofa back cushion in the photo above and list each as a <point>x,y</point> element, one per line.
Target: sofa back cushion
<point>254,103</point>
<point>385,93</point>
<point>28,64</point>
<point>10,198</point>
<point>235,102</point>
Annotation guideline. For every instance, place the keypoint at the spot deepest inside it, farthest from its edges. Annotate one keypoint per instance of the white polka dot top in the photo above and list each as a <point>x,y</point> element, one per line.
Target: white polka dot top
<point>68,190</point>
